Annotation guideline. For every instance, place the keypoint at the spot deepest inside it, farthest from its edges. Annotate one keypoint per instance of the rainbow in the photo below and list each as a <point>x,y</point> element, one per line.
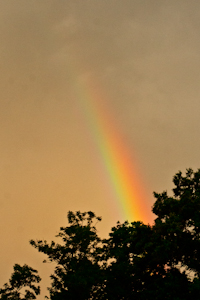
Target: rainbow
<point>124,178</point>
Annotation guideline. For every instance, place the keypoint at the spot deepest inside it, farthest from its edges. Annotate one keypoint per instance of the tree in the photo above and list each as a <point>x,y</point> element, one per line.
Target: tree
<point>178,221</point>
<point>152,262</point>
<point>21,286</point>
<point>124,250</point>
<point>78,272</point>
<point>177,233</point>
<point>137,261</point>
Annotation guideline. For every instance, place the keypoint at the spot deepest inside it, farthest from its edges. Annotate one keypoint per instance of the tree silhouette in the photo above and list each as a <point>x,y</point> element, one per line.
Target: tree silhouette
<point>21,286</point>
<point>78,273</point>
<point>137,261</point>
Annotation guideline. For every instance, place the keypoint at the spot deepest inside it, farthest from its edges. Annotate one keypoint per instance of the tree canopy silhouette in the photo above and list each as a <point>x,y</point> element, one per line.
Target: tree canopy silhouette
<point>21,285</point>
<point>137,261</point>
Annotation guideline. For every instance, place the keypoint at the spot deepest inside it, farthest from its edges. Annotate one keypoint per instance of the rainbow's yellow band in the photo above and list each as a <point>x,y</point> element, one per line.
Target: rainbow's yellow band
<point>129,191</point>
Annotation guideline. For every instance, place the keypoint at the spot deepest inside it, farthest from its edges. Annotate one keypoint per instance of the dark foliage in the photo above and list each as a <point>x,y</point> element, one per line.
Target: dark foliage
<point>77,274</point>
<point>137,261</point>
<point>21,286</point>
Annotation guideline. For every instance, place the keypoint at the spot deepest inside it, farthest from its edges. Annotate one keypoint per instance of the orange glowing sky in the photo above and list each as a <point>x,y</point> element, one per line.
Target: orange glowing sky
<point>89,88</point>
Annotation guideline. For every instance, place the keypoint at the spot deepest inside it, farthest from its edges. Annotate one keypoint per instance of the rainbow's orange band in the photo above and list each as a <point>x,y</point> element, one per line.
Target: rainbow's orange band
<point>124,178</point>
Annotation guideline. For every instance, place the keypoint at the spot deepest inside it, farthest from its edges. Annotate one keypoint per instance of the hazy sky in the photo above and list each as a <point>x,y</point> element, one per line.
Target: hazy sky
<point>144,57</point>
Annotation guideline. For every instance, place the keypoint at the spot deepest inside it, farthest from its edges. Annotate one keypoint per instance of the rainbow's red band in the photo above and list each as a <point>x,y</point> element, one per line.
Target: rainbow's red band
<point>126,184</point>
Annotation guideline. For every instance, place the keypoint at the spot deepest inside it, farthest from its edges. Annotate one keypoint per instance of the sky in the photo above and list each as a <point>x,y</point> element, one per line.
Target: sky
<point>140,60</point>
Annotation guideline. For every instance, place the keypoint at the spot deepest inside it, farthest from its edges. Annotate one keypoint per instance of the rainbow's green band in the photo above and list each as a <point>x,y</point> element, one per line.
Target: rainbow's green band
<point>129,191</point>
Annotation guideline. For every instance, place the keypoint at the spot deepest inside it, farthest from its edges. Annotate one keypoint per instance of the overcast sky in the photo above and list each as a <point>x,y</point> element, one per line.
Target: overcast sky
<point>144,57</point>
